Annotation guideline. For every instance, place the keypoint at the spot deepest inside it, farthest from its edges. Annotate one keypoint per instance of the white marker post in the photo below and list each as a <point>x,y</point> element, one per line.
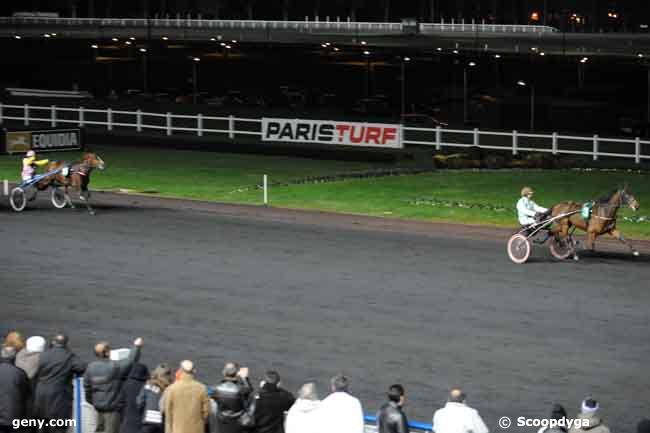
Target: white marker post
<point>266,190</point>
<point>5,187</point>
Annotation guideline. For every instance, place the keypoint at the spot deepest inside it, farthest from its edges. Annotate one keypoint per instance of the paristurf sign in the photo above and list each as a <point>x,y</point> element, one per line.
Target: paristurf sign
<point>332,132</point>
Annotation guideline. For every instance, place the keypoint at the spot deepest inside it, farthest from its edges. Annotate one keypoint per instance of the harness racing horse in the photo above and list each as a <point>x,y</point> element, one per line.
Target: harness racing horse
<point>76,176</point>
<point>602,219</point>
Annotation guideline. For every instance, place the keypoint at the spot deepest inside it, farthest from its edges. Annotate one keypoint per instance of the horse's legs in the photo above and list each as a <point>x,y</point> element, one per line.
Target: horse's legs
<point>67,196</point>
<point>85,196</point>
<point>591,240</point>
<point>564,230</point>
<point>616,233</point>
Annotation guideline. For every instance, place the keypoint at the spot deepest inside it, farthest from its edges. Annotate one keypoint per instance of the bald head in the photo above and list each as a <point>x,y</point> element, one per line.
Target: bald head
<point>456,395</point>
<point>187,366</point>
<point>60,340</point>
<point>103,349</point>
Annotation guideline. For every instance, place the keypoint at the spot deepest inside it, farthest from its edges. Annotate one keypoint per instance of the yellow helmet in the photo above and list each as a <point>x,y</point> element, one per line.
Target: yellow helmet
<point>526,191</point>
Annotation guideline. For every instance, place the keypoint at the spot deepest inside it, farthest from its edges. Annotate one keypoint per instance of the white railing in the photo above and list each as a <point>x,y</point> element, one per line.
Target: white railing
<point>472,26</point>
<point>232,126</point>
<point>306,25</point>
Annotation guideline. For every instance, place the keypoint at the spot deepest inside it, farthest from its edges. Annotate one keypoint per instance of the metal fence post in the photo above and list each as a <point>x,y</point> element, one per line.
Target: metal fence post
<point>231,127</point>
<point>26,108</point>
<point>476,137</point>
<point>77,394</point>
<point>554,146</point>
<point>169,123</point>
<point>514,142</point>
<point>199,124</point>
<point>438,137</point>
<point>138,120</point>
<point>637,150</point>
<point>109,119</point>
<point>81,116</point>
<point>595,147</point>
<point>266,189</point>
<point>53,116</point>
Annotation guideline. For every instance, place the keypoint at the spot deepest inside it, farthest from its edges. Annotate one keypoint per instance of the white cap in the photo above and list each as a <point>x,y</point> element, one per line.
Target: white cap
<point>31,153</point>
<point>35,344</point>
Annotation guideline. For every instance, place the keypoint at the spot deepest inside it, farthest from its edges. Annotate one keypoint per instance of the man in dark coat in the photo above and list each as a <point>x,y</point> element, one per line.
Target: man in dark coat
<point>103,382</point>
<point>53,393</point>
<point>15,390</point>
<point>271,404</point>
<point>232,396</point>
<point>131,414</point>
<point>391,418</point>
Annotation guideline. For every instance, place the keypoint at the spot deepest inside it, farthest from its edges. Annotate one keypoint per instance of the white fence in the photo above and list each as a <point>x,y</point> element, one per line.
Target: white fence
<point>337,25</point>
<point>232,126</point>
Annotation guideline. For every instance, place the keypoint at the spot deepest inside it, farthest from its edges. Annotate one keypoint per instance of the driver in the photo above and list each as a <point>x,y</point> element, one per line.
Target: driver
<point>29,165</point>
<point>527,210</point>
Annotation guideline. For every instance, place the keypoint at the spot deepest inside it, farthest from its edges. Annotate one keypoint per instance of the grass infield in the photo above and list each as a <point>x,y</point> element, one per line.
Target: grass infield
<point>474,197</point>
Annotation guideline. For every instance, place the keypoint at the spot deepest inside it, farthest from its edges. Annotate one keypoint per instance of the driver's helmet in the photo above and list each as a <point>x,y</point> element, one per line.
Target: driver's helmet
<point>526,191</point>
<point>30,154</point>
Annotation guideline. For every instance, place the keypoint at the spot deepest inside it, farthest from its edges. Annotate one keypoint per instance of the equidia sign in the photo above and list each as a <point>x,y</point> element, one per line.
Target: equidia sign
<point>43,140</point>
<point>331,132</point>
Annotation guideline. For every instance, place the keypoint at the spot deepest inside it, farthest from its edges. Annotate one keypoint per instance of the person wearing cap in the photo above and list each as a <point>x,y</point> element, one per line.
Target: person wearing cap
<point>53,392</point>
<point>29,165</point>
<point>527,209</point>
<point>590,418</point>
<point>27,359</point>
<point>187,404</point>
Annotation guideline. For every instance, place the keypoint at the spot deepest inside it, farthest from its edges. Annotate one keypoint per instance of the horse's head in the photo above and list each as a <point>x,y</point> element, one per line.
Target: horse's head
<point>93,160</point>
<point>628,198</point>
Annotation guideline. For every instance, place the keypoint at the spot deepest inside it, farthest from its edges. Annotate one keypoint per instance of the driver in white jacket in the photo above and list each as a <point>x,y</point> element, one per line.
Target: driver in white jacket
<point>527,209</point>
<point>457,417</point>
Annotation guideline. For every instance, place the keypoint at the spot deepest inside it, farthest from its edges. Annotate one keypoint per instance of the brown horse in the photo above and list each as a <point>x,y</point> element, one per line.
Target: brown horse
<point>75,176</point>
<point>601,221</point>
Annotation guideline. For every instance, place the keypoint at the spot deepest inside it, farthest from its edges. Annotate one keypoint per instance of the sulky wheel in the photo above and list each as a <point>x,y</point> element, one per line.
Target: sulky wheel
<point>519,248</point>
<point>18,199</point>
<point>58,198</point>
<point>560,248</point>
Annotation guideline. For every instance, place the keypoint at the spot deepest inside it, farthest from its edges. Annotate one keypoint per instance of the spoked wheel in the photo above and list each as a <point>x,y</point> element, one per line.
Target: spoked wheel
<point>18,199</point>
<point>58,198</point>
<point>519,248</point>
<point>561,248</point>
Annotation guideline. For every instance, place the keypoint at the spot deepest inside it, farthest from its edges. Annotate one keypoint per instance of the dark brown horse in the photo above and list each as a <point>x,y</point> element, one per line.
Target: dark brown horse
<point>75,176</point>
<point>601,221</point>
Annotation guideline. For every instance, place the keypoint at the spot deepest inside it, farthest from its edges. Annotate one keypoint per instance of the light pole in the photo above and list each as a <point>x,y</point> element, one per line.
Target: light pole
<point>465,91</point>
<point>367,54</point>
<point>195,86</point>
<point>404,61</point>
<point>581,71</point>
<point>144,70</point>
<point>532,102</point>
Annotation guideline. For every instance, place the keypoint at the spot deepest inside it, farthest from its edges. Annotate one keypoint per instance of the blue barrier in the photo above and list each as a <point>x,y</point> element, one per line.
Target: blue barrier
<point>77,392</point>
<point>420,426</point>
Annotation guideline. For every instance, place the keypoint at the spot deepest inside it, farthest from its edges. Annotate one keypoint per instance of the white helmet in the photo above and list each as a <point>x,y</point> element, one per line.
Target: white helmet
<point>31,154</point>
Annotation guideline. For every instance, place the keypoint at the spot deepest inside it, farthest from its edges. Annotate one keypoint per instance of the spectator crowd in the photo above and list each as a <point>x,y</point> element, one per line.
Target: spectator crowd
<point>36,383</point>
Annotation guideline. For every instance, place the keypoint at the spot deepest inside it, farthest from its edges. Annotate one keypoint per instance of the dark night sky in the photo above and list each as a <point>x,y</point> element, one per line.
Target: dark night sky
<point>632,12</point>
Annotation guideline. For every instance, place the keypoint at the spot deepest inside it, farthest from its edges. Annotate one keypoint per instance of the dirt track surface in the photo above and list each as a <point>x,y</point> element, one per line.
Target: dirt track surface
<point>310,294</point>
